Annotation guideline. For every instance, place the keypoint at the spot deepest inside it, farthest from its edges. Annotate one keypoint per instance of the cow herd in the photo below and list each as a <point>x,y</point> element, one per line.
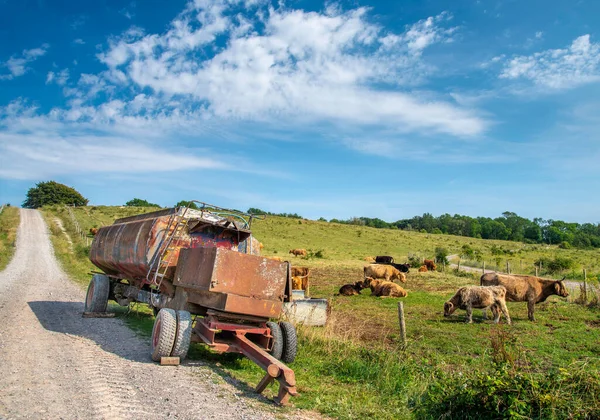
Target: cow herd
<point>493,292</point>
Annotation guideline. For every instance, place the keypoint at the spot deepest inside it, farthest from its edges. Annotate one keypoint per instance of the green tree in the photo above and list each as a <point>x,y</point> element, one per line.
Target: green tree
<point>138,202</point>
<point>51,192</point>
<point>184,203</point>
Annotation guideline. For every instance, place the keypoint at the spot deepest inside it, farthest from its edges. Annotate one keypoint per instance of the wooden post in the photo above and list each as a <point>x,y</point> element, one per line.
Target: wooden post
<point>584,274</point>
<point>521,266</point>
<point>585,283</point>
<point>444,266</point>
<point>536,271</point>
<point>483,268</point>
<point>458,263</point>
<point>507,267</point>
<point>402,324</point>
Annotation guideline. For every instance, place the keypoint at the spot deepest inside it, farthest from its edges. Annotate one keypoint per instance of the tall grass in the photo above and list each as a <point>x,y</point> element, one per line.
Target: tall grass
<point>9,222</point>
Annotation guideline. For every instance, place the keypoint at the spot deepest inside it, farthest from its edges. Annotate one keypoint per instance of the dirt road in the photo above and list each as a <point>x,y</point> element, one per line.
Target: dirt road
<point>55,364</point>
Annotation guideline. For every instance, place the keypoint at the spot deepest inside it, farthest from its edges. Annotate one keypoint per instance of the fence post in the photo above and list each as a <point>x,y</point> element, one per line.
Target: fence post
<point>402,324</point>
<point>507,267</point>
<point>458,264</point>
<point>536,271</point>
<point>483,268</point>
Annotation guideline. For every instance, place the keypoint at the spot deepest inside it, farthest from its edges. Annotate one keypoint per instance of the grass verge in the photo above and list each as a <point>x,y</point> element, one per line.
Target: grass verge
<point>9,223</point>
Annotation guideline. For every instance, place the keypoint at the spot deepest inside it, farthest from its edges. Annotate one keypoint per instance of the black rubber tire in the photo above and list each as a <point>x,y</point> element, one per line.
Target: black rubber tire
<point>96,298</point>
<point>183,336</point>
<point>163,334</point>
<point>290,342</point>
<point>277,340</point>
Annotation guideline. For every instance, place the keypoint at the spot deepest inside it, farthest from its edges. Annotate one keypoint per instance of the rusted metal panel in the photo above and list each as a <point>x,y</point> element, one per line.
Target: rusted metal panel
<point>238,283</point>
<point>126,248</point>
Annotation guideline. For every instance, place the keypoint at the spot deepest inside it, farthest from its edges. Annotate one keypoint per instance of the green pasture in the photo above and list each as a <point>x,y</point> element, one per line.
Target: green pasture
<point>356,366</point>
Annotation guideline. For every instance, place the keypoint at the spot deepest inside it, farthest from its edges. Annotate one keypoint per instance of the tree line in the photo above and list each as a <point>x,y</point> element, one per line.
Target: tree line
<point>509,227</point>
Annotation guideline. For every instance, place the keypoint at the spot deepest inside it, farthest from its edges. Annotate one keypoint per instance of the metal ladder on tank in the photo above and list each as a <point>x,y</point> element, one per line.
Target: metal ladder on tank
<point>162,258</point>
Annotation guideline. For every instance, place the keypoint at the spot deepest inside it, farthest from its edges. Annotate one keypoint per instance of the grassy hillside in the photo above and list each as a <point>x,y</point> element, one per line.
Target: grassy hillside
<point>355,367</point>
<point>9,222</point>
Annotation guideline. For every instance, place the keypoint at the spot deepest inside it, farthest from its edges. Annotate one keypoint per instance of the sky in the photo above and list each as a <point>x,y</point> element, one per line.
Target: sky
<point>325,109</point>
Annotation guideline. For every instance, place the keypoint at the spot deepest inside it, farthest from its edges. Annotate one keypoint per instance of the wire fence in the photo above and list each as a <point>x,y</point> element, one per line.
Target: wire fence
<point>78,229</point>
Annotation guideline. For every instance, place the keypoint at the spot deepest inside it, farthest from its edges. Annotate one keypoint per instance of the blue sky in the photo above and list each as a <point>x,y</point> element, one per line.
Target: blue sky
<point>336,109</point>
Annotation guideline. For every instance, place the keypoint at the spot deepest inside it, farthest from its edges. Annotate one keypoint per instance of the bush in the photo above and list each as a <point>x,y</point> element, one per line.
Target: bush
<point>184,203</point>
<point>138,202</point>
<point>565,245</point>
<point>505,392</point>
<point>51,192</point>
<point>441,255</point>
<point>557,265</point>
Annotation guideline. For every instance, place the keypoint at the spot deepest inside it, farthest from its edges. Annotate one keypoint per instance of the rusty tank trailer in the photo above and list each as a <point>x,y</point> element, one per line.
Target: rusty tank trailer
<point>198,270</point>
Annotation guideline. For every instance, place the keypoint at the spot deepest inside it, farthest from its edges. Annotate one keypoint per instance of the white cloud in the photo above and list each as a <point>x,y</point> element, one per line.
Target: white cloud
<point>558,68</point>
<point>17,65</point>
<point>60,78</point>
<point>306,65</point>
<point>79,41</point>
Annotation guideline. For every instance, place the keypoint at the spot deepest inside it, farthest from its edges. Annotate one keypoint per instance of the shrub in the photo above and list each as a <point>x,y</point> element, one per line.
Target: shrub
<point>565,245</point>
<point>138,202</point>
<point>184,203</point>
<point>51,192</point>
<point>504,392</point>
<point>441,255</point>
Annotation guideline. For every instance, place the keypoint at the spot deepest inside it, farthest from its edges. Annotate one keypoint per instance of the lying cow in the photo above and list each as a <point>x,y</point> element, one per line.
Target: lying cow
<point>381,271</point>
<point>423,269</point>
<point>384,289</point>
<point>481,297</point>
<point>528,289</point>
<point>370,259</point>
<point>430,264</point>
<point>403,268</point>
<point>352,289</point>
<point>384,259</point>
<point>298,251</point>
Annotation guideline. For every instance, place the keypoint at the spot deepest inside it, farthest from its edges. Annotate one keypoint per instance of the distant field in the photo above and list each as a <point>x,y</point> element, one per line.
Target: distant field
<point>355,367</point>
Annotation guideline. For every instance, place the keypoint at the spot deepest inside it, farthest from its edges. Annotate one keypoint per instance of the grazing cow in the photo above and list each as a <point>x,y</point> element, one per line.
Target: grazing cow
<point>404,268</point>
<point>384,289</point>
<point>370,259</point>
<point>423,269</point>
<point>384,259</point>
<point>430,264</point>
<point>93,231</point>
<point>386,272</point>
<point>352,289</point>
<point>298,251</point>
<point>276,259</point>
<point>528,289</point>
<point>470,297</point>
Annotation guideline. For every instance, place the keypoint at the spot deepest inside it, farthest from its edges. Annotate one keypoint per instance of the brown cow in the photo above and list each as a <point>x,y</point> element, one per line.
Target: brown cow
<point>301,274</point>
<point>430,264</point>
<point>384,289</point>
<point>528,289</point>
<point>370,259</point>
<point>470,297</point>
<point>423,269</point>
<point>387,272</point>
<point>276,259</point>
<point>93,231</point>
<point>352,289</point>
<point>298,251</point>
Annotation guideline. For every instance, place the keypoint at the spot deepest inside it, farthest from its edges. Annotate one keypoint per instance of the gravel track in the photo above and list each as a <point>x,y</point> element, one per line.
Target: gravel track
<point>55,364</point>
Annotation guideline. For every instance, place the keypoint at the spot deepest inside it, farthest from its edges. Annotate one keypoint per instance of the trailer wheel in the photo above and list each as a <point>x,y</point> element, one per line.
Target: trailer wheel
<point>290,342</point>
<point>183,336</point>
<point>163,334</point>
<point>96,297</point>
<point>277,340</point>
